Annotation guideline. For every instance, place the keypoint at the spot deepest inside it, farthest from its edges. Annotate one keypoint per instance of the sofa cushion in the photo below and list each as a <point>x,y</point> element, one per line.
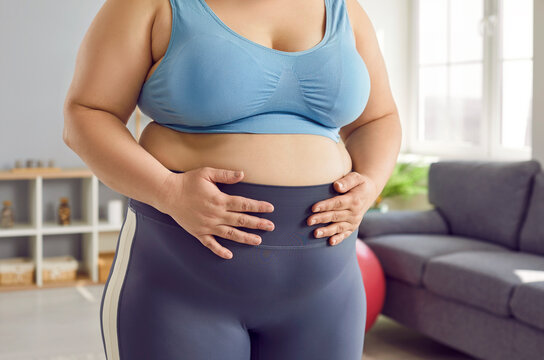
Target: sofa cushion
<point>402,222</point>
<point>464,327</point>
<point>484,279</point>
<point>532,232</point>
<point>482,199</point>
<point>403,256</point>
<point>527,302</point>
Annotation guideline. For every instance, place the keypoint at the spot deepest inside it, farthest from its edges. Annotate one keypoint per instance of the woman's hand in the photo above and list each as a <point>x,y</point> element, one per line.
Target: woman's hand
<point>345,211</point>
<point>196,203</point>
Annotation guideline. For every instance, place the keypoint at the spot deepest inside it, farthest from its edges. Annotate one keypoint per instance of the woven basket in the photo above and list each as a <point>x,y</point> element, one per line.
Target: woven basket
<point>105,261</point>
<point>59,268</point>
<point>16,271</point>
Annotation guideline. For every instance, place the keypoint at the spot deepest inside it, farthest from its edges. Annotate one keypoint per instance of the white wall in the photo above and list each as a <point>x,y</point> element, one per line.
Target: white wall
<point>39,42</point>
<point>538,83</point>
<point>393,26</point>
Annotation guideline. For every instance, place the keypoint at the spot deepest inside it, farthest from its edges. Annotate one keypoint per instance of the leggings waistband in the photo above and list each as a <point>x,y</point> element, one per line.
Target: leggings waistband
<point>281,190</point>
<point>278,193</point>
<point>292,207</point>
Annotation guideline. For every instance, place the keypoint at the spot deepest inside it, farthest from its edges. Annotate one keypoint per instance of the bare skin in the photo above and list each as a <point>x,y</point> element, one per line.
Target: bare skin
<point>122,48</point>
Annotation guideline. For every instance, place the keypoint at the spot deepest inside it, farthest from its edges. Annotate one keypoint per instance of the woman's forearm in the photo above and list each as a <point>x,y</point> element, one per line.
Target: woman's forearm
<point>108,148</point>
<point>374,148</point>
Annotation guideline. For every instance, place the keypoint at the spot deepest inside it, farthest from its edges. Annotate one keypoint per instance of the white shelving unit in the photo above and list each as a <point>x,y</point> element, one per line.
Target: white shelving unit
<point>90,227</point>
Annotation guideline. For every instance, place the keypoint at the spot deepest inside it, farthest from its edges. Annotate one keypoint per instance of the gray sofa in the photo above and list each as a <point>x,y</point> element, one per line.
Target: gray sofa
<point>469,273</point>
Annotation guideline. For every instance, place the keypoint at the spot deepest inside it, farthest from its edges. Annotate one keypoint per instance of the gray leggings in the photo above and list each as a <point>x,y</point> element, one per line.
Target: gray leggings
<point>292,297</point>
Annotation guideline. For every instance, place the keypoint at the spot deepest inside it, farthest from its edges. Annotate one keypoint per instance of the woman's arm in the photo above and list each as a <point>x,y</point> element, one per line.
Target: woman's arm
<point>374,139</point>
<point>111,66</point>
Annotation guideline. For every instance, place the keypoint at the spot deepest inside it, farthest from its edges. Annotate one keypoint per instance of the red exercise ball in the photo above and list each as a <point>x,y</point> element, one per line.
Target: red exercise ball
<point>373,280</point>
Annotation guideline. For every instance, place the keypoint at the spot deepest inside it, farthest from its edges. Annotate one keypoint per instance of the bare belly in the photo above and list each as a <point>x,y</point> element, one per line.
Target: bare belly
<point>273,159</point>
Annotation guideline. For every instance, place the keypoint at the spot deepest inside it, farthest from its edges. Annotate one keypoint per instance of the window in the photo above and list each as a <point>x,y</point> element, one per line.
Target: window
<point>474,77</point>
<point>516,62</point>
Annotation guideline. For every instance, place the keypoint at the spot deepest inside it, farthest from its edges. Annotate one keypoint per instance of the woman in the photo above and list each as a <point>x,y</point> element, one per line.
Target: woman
<point>212,263</point>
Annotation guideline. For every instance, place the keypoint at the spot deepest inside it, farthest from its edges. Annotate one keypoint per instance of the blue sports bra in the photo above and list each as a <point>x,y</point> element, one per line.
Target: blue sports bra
<point>213,80</point>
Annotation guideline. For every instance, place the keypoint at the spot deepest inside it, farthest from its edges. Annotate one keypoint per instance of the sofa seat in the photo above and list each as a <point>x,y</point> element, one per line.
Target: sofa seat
<point>484,279</point>
<point>527,303</point>
<point>403,256</point>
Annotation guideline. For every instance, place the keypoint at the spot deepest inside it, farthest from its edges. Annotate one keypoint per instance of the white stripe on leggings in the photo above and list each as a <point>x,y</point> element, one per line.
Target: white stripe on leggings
<point>111,298</point>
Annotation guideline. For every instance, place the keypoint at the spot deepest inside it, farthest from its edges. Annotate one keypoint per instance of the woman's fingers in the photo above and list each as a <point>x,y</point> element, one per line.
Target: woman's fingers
<point>336,239</point>
<point>212,244</point>
<point>231,233</point>
<point>243,204</point>
<point>247,221</point>
<point>330,216</point>
<point>335,228</point>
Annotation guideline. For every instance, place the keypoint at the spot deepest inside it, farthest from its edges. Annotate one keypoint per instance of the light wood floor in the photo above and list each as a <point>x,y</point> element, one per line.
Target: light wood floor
<point>389,340</point>
<point>63,324</point>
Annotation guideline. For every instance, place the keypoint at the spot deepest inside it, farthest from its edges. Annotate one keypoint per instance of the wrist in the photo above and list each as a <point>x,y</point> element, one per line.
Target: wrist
<point>371,186</point>
<point>164,197</point>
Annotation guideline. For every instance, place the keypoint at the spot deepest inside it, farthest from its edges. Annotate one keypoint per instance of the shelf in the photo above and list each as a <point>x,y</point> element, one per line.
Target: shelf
<point>35,195</point>
<point>82,279</point>
<point>19,229</point>
<point>104,225</point>
<point>76,226</point>
<point>75,190</point>
<point>62,174</point>
<point>23,197</point>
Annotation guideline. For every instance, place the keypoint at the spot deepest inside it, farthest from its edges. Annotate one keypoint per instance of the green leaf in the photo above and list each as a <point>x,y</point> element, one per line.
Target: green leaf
<point>406,180</point>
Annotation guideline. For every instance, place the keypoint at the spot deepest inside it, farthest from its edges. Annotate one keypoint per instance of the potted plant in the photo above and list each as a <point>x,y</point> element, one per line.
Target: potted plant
<point>407,179</point>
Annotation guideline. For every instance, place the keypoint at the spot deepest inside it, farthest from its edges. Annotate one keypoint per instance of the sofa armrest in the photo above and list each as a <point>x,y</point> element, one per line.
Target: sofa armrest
<point>403,222</point>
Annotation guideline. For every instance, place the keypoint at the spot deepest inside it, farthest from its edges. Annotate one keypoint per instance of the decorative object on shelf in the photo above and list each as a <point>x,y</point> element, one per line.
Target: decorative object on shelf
<point>407,179</point>
<point>115,212</point>
<point>16,271</point>
<point>64,211</point>
<point>59,268</point>
<point>7,215</point>
<point>105,261</point>
<point>34,166</point>
<point>96,235</point>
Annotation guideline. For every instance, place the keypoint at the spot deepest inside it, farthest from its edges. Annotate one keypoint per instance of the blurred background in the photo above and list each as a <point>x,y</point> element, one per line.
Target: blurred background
<point>467,77</point>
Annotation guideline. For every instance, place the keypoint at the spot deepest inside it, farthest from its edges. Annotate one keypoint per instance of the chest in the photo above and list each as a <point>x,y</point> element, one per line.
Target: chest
<point>273,24</point>
<point>211,74</point>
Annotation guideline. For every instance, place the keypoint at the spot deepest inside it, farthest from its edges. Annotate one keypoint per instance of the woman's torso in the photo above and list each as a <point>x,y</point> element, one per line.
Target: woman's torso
<point>275,159</point>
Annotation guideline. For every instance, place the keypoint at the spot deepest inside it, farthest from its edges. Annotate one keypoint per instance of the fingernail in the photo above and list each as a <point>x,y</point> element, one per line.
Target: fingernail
<point>312,222</point>
<point>340,186</point>
<point>316,209</point>
<point>237,173</point>
<point>228,254</point>
<point>319,233</point>
<point>333,242</point>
